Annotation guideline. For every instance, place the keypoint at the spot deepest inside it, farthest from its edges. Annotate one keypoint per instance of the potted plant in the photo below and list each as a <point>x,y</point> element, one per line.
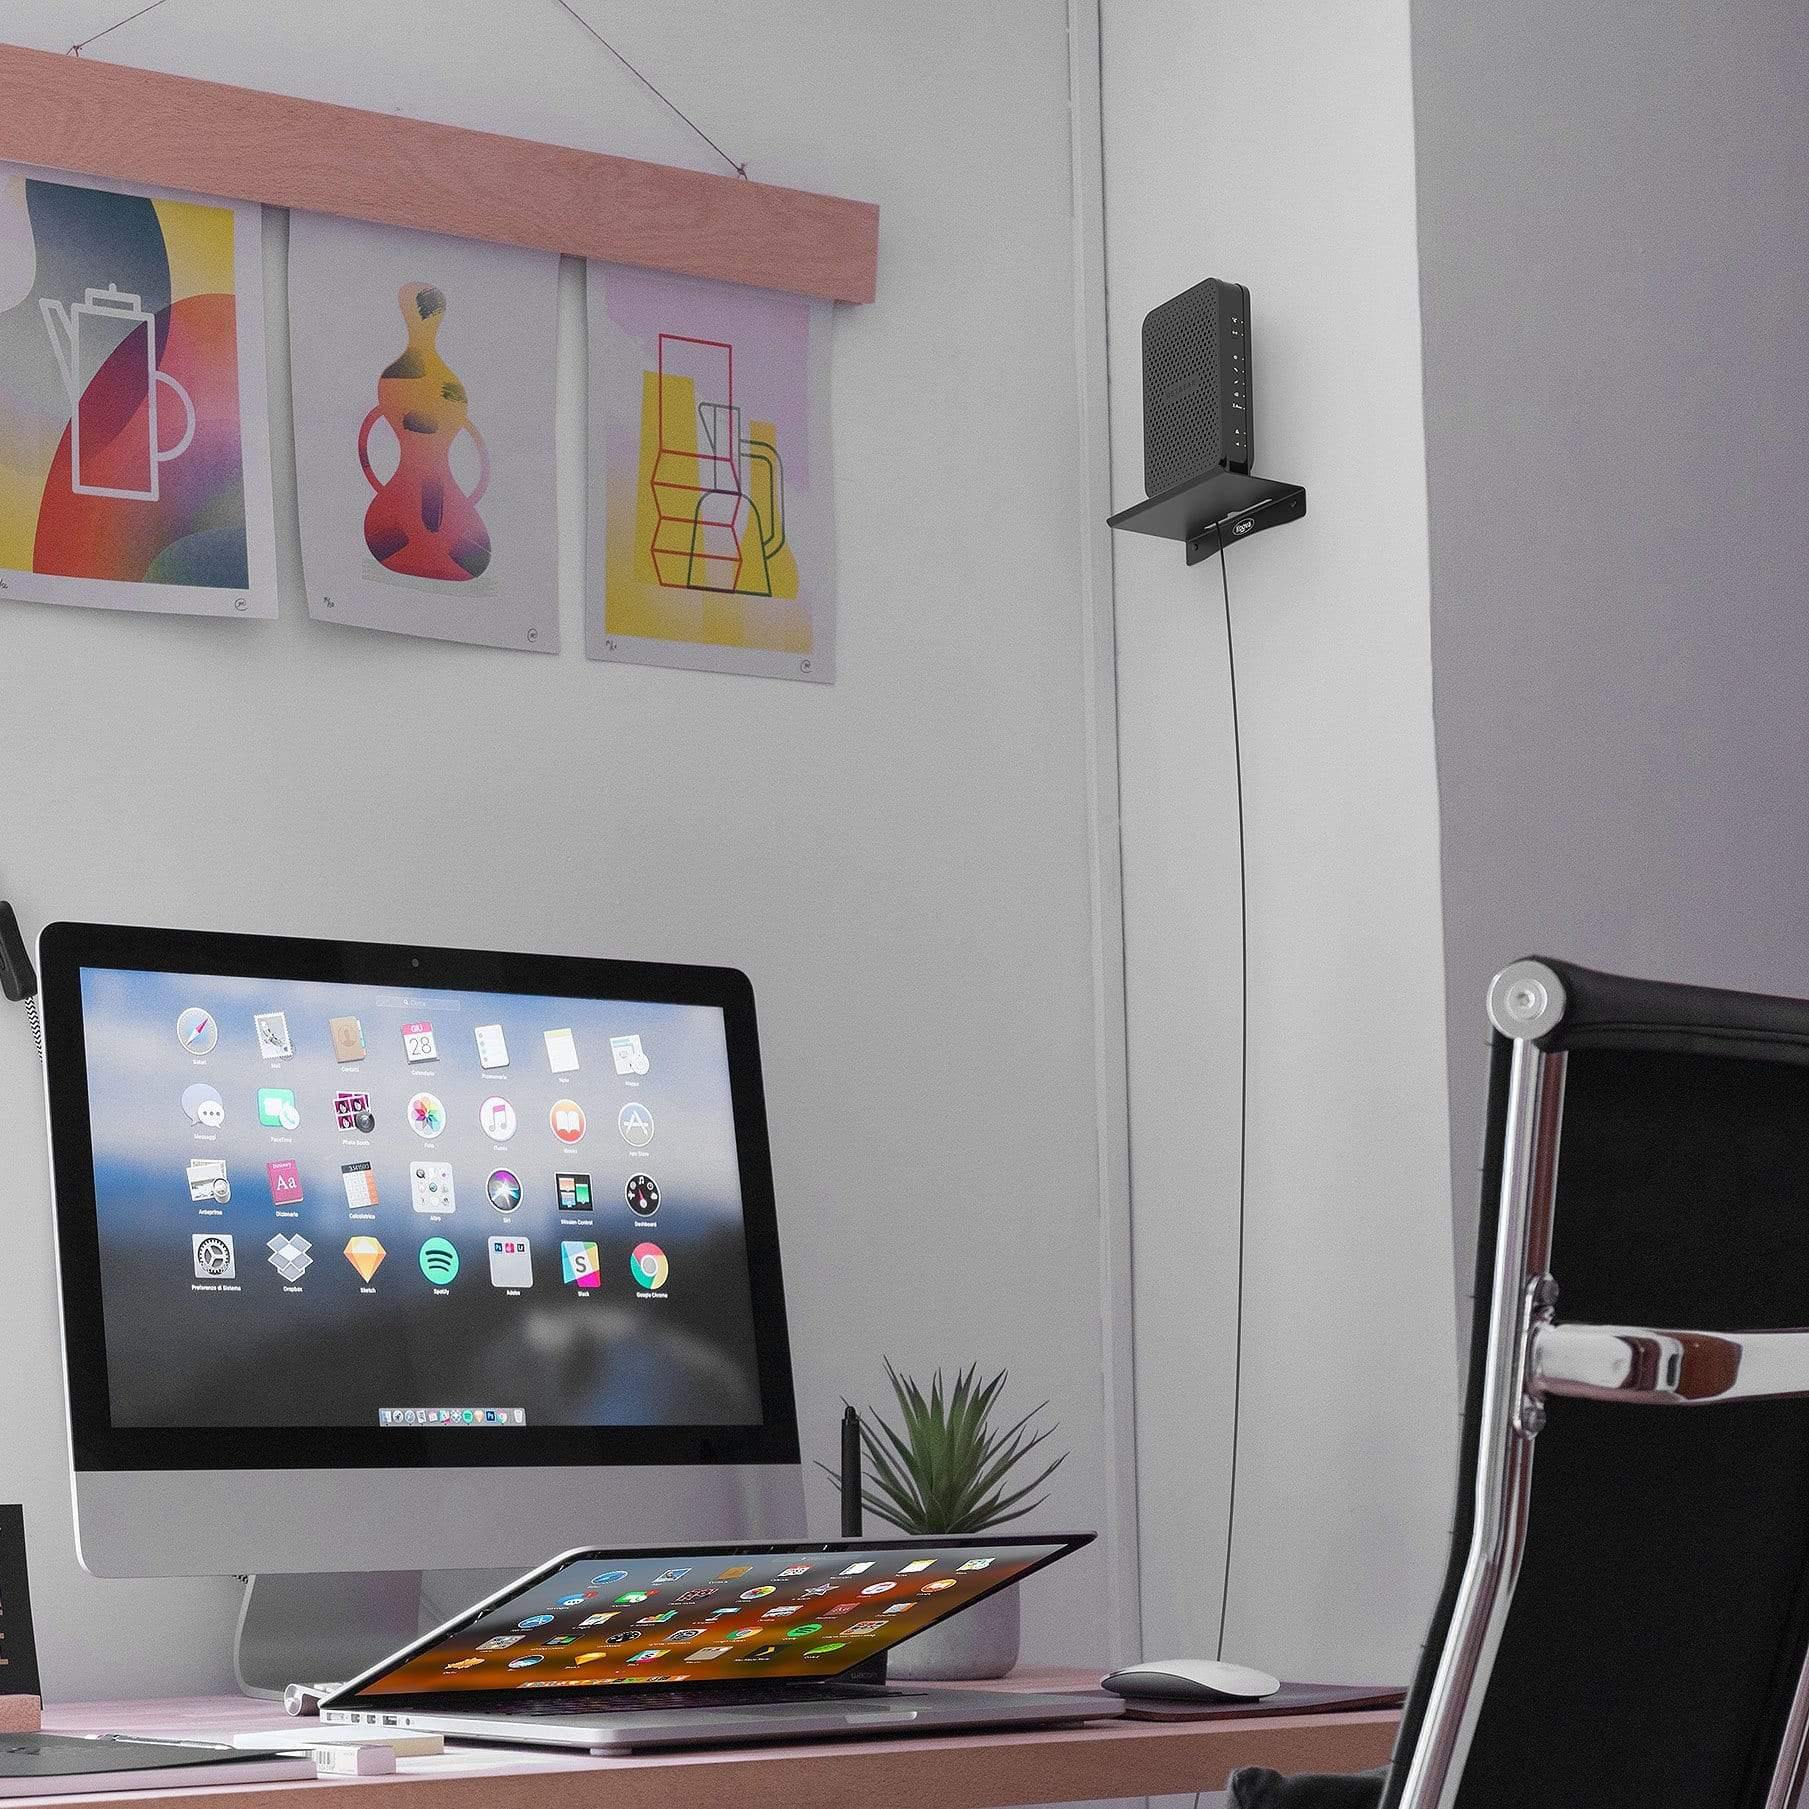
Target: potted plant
<point>945,1468</point>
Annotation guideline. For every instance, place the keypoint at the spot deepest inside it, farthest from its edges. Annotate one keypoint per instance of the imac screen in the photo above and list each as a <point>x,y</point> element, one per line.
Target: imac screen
<point>428,1213</point>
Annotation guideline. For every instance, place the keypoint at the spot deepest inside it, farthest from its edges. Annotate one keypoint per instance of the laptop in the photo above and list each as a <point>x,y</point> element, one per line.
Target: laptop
<point>611,1650</point>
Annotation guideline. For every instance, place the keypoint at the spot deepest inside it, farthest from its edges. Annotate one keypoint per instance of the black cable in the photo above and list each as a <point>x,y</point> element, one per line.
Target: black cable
<point>18,978</point>
<point>1243,1104</point>
<point>740,169</point>
<point>75,50</point>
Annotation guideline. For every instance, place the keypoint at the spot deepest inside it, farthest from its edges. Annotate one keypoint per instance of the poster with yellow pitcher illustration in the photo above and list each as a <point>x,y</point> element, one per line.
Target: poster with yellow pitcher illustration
<point>422,376</point>
<point>711,527</point>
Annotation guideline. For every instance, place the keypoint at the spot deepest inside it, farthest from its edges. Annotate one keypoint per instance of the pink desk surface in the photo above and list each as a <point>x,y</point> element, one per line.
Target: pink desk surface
<point>965,1771</point>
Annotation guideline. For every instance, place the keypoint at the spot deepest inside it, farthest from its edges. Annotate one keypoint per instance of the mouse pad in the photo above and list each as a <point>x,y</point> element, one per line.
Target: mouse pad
<point>1290,1699</point>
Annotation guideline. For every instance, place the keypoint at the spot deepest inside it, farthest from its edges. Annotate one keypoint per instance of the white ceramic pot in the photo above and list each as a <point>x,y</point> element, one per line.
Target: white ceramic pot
<point>980,1642</point>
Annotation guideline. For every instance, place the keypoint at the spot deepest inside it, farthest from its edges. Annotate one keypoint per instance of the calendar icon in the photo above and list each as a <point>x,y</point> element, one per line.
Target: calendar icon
<point>418,1043</point>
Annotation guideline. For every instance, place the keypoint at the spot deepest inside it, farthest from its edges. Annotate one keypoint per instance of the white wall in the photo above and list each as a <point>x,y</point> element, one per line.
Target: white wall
<point>1620,696</point>
<point>902,861</point>
<point>1277,151</point>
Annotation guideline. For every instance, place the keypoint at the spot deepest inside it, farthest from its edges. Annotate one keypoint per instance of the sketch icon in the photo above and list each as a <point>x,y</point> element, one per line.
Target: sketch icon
<point>366,1255</point>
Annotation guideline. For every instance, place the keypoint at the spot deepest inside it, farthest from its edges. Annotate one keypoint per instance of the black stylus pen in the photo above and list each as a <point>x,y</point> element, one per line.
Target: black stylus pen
<point>851,1473</point>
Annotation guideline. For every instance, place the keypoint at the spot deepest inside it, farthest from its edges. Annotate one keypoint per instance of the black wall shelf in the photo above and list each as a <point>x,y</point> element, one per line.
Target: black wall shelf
<point>1221,505</point>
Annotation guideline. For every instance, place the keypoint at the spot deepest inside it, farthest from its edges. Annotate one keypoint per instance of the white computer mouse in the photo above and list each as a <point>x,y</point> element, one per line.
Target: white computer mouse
<point>1191,1680</point>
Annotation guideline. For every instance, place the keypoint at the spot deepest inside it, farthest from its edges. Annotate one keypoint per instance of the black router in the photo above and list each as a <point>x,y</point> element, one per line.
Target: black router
<point>1198,427</point>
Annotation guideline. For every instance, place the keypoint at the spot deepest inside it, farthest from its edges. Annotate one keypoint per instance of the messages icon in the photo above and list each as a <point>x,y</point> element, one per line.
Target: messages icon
<point>202,1104</point>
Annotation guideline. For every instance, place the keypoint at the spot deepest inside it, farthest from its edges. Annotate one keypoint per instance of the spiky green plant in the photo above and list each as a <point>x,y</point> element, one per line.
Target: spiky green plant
<point>947,1469</point>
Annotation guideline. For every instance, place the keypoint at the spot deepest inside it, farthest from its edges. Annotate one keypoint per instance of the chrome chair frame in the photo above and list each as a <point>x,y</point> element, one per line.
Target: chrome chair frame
<point>1532,1355</point>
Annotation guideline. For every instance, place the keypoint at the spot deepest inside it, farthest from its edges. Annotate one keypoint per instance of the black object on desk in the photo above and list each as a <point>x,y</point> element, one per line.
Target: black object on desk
<point>18,1647</point>
<point>851,1473</point>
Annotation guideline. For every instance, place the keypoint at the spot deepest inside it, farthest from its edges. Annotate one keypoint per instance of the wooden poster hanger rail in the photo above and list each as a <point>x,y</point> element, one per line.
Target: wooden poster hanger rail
<point>172,131</point>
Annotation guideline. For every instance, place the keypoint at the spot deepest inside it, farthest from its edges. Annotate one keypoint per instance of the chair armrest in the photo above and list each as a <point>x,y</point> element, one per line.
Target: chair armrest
<point>1666,1368</point>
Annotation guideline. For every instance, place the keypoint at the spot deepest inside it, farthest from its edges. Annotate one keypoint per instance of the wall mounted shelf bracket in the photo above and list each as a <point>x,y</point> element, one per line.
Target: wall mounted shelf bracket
<point>1204,511</point>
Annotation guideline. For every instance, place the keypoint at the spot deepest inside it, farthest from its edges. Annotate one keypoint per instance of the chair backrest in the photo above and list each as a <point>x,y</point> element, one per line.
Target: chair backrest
<point>1625,1619</point>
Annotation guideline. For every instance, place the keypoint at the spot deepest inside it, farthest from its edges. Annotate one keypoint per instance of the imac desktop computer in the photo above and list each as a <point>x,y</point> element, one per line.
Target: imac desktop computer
<point>376,1259</point>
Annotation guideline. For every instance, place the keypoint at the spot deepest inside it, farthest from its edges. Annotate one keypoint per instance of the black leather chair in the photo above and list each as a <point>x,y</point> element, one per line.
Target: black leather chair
<point>1624,1622</point>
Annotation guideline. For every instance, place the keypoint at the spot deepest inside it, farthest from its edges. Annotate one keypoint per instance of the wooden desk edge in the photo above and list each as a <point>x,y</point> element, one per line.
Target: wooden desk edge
<point>1101,1759</point>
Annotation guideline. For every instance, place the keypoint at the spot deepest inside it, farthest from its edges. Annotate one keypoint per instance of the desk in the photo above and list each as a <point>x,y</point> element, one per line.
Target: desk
<point>964,1771</point>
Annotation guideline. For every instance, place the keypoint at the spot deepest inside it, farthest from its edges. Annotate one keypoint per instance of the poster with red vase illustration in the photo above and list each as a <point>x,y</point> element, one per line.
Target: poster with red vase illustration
<point>422,373</point>
<point>134,432</point>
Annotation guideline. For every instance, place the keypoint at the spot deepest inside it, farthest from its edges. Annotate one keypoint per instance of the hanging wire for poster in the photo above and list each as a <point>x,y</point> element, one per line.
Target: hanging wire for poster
<point>75,50</point>
<point>740,169</point>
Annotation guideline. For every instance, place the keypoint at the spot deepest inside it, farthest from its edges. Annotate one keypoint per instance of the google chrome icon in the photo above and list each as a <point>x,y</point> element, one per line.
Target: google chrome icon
<point>648,1265</point>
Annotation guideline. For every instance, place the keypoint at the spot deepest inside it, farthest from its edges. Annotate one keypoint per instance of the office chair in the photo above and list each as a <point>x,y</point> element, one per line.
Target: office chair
<point>1625,1620</point>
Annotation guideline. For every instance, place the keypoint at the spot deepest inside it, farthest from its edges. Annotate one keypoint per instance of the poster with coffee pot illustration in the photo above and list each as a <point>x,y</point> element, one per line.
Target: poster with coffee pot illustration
<point>422,376</point>
<point>134,433</point>
<point>711,531</point>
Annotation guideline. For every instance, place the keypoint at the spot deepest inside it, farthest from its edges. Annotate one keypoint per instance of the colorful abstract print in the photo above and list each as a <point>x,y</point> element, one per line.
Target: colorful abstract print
<point>120,448</point>
<point>421,522</point>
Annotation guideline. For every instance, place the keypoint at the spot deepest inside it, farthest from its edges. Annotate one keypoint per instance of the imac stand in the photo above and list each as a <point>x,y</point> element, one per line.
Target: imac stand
<point>321,1628</point>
